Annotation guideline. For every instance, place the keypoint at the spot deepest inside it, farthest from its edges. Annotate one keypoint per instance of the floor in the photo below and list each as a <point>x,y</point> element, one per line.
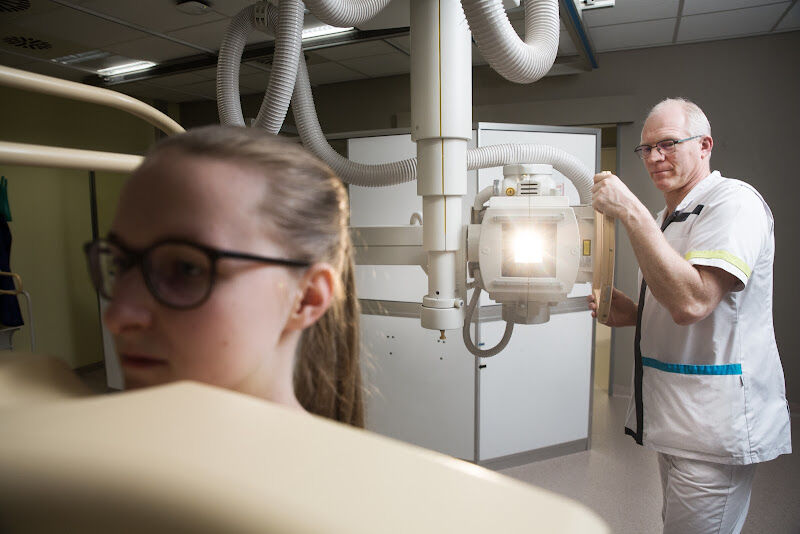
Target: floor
<point>619,479</point>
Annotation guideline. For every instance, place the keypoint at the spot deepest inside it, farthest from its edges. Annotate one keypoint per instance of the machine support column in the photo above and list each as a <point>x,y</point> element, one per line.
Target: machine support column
<point>441,125</point>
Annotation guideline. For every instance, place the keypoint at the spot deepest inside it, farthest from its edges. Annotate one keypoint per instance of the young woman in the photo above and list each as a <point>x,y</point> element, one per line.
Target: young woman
<point>229,262</point>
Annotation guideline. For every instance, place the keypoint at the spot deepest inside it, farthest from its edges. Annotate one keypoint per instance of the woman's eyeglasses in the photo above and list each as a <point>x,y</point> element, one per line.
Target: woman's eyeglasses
<point>179,274</point>
<point>664,147</point>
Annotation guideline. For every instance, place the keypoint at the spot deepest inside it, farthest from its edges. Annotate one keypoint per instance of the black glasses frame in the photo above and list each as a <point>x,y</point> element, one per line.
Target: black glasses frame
<point>137,258</point>
<point>639,150</point>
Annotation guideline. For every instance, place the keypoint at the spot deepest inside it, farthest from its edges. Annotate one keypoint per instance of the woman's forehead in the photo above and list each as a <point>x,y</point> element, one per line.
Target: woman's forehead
<point>197,195</point>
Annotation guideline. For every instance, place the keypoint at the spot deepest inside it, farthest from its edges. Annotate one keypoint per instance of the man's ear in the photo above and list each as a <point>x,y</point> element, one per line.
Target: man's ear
<point>316,291</point>
<point>706,144</point>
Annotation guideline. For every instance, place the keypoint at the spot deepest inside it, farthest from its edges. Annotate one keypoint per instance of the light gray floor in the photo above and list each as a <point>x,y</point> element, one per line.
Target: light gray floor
<point>619,480</point>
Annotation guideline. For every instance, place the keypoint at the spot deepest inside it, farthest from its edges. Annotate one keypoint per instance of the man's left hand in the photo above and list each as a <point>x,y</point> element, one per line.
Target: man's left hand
<point>612,197</point>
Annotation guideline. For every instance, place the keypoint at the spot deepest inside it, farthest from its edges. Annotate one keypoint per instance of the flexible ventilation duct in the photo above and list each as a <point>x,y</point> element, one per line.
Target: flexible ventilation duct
<point>286,23</point>
<point>288,45</point>
<point>230,56</point>
<point>465,333</point>
<point>565,163</point>
<point>516,60</point>
<point>305,118</point>
<point>345,13</point>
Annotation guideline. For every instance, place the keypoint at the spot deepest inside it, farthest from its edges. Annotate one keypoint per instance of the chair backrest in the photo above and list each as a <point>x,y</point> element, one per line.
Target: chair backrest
<point>187,457</point>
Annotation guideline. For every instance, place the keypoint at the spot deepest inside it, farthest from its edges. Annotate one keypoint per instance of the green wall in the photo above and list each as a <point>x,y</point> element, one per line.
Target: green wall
<point>52,215</point>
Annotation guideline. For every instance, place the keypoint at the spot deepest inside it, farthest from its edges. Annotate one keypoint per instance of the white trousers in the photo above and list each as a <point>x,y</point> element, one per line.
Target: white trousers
<point>704,497</point>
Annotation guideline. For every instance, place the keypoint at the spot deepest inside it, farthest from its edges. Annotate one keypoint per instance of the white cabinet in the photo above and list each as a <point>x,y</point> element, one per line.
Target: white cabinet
<point>532,400</point>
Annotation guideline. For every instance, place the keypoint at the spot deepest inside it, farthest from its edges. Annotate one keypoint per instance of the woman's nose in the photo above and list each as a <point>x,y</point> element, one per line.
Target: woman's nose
<point>132,305</point>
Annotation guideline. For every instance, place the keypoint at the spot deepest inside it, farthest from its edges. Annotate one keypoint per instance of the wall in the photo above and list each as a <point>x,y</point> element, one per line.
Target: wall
<point>748,88</point>
<point>52,215</point>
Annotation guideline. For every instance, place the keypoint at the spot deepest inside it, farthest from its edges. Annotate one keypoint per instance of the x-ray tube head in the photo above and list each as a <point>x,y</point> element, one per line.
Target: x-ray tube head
<point>528,246</point>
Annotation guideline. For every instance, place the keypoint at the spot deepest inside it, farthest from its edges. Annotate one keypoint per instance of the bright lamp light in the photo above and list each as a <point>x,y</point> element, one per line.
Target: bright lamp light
<point>528,247</point>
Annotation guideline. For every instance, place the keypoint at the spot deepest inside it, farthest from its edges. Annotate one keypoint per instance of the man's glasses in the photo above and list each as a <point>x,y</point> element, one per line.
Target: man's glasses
<point>664,147</point>
<point>179,274</point>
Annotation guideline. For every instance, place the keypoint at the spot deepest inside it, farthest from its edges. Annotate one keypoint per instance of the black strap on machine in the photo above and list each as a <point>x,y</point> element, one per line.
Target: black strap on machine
<point>638,372</point>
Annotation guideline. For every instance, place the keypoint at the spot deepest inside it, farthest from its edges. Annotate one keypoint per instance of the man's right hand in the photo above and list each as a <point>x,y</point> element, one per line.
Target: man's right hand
<point>623,309</point>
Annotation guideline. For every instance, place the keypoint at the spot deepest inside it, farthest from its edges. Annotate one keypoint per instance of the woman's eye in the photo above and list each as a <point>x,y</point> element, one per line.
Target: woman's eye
<point>188,269</point>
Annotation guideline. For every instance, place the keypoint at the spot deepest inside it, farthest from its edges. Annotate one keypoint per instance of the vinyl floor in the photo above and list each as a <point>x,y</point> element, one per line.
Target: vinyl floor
<point>619,480</point>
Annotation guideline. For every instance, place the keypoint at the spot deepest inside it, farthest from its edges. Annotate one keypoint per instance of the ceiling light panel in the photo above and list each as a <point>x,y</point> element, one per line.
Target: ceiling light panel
<point>126,68</point>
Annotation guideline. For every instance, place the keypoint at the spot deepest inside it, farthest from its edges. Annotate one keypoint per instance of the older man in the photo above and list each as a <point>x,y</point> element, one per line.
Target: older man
<point>709,393</point>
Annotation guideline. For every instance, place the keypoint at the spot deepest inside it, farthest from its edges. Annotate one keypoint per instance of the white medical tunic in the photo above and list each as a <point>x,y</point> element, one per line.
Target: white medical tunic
<point>714,390</point>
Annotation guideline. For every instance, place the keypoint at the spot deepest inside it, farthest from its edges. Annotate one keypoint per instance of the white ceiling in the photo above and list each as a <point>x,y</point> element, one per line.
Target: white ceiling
<point>155,30</point>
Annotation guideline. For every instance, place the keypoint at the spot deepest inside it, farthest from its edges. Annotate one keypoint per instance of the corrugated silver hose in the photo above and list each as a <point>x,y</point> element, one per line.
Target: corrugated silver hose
<point>482,353</point>
<point>344,13</point>
<point>565,163</point>
<point>514,59</point>
<point>288,37</point>
<point>229,106</point>
<point>305,118</point>
<point>281,81</point>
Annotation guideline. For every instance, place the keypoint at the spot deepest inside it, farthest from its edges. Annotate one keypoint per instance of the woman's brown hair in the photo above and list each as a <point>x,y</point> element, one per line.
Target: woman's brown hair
<point>306,210</point>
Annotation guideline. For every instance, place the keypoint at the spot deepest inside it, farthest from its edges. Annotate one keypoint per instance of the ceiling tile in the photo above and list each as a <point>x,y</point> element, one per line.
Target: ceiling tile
<point>791,20</point>
<point>55,70</point>
<point>331,72</point>
<point>156,15</point>
<point>635,35</point>
<point>35,8</point>
<point>151,90</point>
<point>230,8</point>
<point>370,48</point>
<point>211,34</point>
<point>206,88</point>
<point>256,82</point>
<point>403,43</point>
<point>209,73</point>
<point>152,49</point>
<point>695,7</point>
<point>178,80</point>
<point>72,25</point>
<point>565,45</point>
<point>631,11</point>
<point>251,67</point>
<point>17,61</point>
<point>382,65</point>
<point>37,44</point>
<point>737,22</point>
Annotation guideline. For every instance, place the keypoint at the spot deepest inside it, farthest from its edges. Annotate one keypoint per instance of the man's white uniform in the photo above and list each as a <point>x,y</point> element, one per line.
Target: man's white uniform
<point>714,390</point>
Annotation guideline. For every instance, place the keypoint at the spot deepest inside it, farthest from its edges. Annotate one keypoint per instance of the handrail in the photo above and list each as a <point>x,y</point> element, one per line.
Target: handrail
<point>40,83</point>
<point>67,158</point>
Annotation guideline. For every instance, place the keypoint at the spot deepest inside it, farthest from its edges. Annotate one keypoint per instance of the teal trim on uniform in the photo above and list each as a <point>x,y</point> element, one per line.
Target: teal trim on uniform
<point>728,369</point>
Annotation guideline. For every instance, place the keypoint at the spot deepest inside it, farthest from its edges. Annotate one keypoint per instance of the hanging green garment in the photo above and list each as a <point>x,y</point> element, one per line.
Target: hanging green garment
<point>5,209</point>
